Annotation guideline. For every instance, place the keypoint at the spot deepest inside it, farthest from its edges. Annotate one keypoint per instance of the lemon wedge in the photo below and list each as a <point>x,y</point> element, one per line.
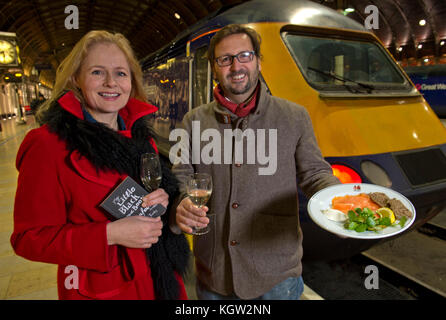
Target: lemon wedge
<point>386,212</point>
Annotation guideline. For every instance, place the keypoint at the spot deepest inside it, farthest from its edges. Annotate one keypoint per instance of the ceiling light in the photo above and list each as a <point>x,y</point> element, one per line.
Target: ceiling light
<point>441,42</point>
<point>422,22</point>
<point>426,60</point>
<point>420,46</point>
<point>400,49</point>
<point>349,9</point>
<point>177,16</point>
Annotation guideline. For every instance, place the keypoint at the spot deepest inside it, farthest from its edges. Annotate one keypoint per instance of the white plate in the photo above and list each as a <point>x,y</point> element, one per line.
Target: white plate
<point>321,200</point>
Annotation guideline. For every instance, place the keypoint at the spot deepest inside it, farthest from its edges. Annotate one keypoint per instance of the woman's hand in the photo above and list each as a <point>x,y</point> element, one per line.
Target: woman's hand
<point>134,232</point>
<point>159,196</point>
<point>188,215</point>
<point>139,231</point>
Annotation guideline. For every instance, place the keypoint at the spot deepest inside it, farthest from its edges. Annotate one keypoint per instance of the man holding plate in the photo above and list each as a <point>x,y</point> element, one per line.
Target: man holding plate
<point>254,247</point>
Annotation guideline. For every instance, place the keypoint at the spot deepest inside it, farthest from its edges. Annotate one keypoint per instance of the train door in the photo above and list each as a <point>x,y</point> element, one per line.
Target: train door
<point>201,85</point>
<point>201,78</point>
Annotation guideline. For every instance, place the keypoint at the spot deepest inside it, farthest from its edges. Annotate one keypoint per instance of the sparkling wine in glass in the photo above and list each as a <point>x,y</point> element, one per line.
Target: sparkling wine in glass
<point>199,197</point>
<point>199,190</point>
<point>150,171</point>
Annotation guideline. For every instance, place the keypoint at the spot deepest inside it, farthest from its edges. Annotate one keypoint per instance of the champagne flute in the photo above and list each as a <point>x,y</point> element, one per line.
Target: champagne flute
<point>150,172</point>
<point>199,190</point>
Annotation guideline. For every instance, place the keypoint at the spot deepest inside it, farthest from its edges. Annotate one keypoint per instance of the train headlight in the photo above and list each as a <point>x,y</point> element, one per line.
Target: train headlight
<point>345,174</point>
<point>375,173</point>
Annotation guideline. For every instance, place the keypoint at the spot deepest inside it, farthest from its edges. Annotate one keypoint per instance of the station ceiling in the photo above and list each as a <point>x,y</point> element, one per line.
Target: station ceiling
<point>150,24</point>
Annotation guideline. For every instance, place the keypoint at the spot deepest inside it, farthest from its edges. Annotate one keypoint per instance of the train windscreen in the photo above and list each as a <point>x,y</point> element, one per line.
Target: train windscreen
<point>333,64</point>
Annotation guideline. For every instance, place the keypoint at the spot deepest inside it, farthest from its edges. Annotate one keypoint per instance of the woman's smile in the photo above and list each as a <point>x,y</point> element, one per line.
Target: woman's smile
<point>109,96</point>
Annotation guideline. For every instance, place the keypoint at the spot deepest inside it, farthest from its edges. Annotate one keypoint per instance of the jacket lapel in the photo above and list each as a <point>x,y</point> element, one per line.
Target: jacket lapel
<point>85,169</point>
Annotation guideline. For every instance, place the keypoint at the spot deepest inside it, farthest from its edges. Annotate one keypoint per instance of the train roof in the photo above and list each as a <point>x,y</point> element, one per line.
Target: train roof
<point>299,12</point>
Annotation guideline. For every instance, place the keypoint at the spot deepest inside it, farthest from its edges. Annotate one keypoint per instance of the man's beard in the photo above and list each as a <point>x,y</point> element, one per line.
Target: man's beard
<point>252,82</point>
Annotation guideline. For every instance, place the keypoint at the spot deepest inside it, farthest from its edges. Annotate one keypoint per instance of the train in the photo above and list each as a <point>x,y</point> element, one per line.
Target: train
<point>430,80</point>
<point>371,123</point>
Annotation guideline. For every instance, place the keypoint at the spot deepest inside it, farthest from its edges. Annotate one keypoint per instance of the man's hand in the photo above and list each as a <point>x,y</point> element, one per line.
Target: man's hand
<point>188,215</point>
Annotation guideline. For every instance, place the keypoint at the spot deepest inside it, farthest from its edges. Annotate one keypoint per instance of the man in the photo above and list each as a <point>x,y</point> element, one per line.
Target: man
<point>254,246</point>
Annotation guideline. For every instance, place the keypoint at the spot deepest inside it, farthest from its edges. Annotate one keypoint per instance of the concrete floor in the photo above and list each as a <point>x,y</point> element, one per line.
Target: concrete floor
<point>418,257</point>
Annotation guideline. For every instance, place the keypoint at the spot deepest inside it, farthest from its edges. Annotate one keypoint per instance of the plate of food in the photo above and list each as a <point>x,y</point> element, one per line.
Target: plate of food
<point>361,211</point>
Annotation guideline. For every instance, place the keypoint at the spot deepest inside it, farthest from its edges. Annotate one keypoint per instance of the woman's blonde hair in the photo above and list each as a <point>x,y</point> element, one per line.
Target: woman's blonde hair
<point>70,67</point>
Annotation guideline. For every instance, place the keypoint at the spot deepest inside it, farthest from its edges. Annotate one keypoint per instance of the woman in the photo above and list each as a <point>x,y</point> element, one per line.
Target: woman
<point>93,134</point>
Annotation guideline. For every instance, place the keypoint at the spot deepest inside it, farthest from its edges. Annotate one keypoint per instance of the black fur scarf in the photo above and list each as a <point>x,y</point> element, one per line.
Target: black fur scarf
<point>108,150</point>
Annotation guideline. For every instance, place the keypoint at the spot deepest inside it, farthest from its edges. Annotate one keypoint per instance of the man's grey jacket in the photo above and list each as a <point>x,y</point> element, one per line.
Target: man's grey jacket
<point>255,240</point>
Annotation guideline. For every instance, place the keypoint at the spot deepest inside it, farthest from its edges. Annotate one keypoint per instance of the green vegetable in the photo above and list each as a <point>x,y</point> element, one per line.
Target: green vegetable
<point>370,222</point>
<point>368,212</point>
<point>385,221</point>
<point>361,220</point>
<point>351,225</point>
<point>352,215</point>
<point>361,228</point>
<point>403,221</point>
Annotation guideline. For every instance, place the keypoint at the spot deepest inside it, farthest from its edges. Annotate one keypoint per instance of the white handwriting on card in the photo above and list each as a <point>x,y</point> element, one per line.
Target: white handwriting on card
<point>129,202</point>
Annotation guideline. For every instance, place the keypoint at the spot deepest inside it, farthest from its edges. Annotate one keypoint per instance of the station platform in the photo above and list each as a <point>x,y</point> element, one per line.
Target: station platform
<point>21,279</point>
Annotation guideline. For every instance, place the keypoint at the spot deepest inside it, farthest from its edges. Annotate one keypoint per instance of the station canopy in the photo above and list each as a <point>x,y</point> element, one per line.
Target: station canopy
<point>410,29</point>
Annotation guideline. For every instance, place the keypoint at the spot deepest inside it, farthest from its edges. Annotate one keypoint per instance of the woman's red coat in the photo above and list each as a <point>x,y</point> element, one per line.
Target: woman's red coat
<point>57,218</point>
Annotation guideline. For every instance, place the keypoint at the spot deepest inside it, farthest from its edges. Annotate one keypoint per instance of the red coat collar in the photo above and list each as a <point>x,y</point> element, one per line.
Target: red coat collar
<point>134,109</point>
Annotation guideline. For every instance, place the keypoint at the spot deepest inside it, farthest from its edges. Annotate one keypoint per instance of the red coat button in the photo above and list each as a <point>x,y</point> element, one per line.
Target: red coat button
<point>235,205</point>
<point>238,165</point>
<point>234,243</point>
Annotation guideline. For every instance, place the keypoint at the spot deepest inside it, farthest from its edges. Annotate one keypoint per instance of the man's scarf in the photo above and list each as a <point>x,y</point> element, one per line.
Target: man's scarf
<point>242,109</point>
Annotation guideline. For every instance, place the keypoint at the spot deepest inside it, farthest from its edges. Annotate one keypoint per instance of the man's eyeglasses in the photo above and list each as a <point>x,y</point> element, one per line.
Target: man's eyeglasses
<point>242,57</point>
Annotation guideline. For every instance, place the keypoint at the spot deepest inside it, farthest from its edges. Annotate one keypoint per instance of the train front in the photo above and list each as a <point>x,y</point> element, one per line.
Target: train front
<point>371,123</point>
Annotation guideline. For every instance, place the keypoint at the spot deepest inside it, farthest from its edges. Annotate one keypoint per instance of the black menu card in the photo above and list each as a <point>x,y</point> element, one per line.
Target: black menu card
<point>126,201</point>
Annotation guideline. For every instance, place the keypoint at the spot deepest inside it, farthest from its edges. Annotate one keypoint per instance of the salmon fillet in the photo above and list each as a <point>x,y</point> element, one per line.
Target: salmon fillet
<point>351,202</point>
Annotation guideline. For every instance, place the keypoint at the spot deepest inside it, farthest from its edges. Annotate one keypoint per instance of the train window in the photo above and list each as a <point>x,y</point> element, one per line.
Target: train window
<point>167,87</point>
<point>335,64</point>
<point>201,84</point>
